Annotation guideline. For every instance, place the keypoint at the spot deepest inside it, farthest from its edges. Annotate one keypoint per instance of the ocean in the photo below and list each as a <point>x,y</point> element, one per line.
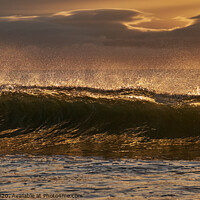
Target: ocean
<point>124,136</point>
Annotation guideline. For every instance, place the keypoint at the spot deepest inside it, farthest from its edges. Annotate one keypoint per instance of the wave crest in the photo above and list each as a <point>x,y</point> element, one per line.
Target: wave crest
<point>60,114</point>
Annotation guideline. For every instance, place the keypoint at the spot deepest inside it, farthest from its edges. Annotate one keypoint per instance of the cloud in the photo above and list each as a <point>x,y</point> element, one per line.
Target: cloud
<point>196,17</point>
<point>101,15</point>
<point>17,18</point>
<point>104,27</point>
<point>94,39</point>
<point>85,26</point>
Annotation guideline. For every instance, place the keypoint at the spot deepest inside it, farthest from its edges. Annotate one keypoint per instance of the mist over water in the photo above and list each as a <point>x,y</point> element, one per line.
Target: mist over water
<point>172,81</point>
<point>164,70</point>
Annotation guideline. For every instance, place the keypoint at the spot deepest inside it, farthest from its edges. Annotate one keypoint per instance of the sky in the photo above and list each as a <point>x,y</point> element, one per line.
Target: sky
<point>109,33</point>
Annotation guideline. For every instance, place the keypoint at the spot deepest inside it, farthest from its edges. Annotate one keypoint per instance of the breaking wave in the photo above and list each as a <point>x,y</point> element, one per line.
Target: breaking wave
<point>36,117</point>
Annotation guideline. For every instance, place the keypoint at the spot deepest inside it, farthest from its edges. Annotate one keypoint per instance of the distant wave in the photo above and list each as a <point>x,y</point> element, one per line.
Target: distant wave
<point>71,112</point>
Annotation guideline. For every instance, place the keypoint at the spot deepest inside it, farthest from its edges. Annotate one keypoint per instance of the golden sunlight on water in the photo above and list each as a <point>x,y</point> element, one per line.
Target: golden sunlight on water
<point>97,178</point>
<point>99,99</point>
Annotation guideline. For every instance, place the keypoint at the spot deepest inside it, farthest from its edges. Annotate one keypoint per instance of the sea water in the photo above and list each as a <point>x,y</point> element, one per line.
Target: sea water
<point>132,135</point>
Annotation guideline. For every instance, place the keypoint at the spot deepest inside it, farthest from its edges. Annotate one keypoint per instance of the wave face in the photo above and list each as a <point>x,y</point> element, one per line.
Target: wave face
<point>36,118</point>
